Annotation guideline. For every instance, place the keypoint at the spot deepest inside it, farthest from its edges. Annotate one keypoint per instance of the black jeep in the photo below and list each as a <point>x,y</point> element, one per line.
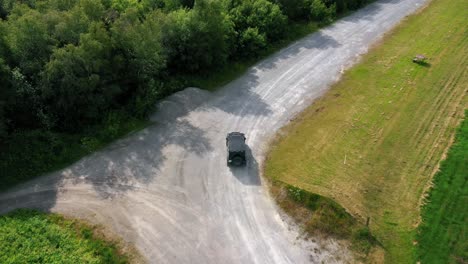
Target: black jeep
<point>235,142</point>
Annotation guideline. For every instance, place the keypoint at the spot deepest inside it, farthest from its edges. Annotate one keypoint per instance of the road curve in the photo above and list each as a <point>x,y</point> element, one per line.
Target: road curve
<point>167,189</point>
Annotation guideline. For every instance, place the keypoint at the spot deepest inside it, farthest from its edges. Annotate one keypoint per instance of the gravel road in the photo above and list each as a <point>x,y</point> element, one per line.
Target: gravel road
<point>167,189</point>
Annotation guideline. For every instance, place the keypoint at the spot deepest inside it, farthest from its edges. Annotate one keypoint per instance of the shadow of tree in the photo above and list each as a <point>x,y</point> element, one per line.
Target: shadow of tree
<point>136,160</point>
<point>316,41</point>
<point>40,193</point>
<point>369,12</point>
<point>246,86</point>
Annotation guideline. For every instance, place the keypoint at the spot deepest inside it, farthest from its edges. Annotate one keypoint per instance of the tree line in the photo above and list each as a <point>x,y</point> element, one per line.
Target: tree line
<point>67,64</point>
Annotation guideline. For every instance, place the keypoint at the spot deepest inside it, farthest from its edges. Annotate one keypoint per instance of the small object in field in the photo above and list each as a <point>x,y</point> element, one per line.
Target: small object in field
<point>420,59</point>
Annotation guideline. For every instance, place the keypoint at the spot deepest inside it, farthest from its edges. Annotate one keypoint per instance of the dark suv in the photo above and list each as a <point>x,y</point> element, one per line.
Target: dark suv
<point>235,142</point>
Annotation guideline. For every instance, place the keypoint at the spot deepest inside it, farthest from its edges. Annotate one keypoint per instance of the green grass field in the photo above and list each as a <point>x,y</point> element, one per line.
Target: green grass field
<point>374,141</point>
<point>28,236</point>
<point>442,236</point>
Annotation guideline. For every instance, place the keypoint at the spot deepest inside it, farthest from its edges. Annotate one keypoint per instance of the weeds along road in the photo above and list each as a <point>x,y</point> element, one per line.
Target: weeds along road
<point>167,189</point>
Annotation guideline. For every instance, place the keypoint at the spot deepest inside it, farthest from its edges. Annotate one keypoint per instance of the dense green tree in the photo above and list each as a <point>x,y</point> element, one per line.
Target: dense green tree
<point>257,21</point>
<point>122,5</point>
<point>25,103</point>
<point>6,6</point>
<point>142,43</point>
<point>58,5</point>
<point>197,39</point>
<point>145,57</point>
<point>251,42</point>
<point>67,29</point>
<point>28,40</point>
<point>5,88</point>
<point>261,14</point>
<point>320,12</point>
<point>79,81</point>
<point>5,95</point>
<point>295,9</point>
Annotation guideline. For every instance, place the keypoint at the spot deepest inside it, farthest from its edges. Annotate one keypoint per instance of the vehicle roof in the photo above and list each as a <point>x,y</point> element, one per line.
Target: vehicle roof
<point>236,141</point>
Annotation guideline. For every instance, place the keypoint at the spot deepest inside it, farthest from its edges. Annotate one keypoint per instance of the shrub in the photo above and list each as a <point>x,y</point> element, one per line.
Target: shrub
<point>321,13</point>
<point>295,9</point>
<point>196,40</point>
<point>251,42</point>
<point>265,16</point>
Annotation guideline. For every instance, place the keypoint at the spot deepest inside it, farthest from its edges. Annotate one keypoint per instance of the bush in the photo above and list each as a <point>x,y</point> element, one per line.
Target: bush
<point>77,81</point>
<point>295,9</point>
<point>264,16</point>
<point>251,42</point>
<point>321,13</point>
<point>196,40</point>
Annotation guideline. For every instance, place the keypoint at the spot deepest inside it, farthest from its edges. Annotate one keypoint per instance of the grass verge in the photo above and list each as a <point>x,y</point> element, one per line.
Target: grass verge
<point>442,236</point>
<point>321,216</point>
<point>28,236</point>
<point>374,141</point>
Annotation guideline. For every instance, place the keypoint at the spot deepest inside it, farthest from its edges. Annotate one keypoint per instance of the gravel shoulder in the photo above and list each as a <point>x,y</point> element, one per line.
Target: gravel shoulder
<point>167,189</point>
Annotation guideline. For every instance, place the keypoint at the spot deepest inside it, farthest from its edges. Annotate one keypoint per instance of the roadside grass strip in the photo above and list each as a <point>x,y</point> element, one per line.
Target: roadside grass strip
<point>374,141</point>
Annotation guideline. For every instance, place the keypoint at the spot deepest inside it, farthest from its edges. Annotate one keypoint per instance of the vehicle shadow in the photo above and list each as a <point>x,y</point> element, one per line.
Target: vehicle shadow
<point>248,174</point>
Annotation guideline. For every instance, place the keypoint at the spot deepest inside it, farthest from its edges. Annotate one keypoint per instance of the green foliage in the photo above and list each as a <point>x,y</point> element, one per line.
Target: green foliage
<point>5,95</point>
<point>251,42</point>
<point>78,81</point>
<point>263,21</point>
<point>142,44</point>
<point>77,21</point>
<point>442,236</point>
<point>122,5</point>
<point>196,40</point>
<point>295,9</point>
<point>321,13</point>
<point>295,193</point>
<point>28,40</point>
<point>28,236</point>
<point>25,103</point>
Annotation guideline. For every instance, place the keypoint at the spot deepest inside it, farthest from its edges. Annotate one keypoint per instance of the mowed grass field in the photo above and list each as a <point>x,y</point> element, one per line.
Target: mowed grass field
<point>443,234</point>
<point>374,141</point>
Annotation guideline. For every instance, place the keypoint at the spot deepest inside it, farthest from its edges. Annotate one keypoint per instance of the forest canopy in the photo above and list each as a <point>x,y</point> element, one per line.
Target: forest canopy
<point>65,64</point>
